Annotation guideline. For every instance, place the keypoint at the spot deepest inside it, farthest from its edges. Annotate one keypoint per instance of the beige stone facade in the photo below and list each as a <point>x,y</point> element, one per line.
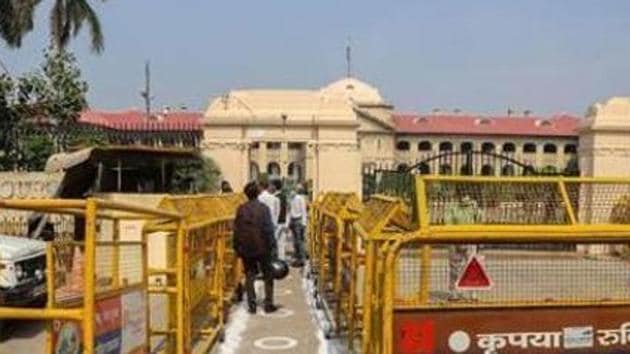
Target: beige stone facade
<point>329,135</point>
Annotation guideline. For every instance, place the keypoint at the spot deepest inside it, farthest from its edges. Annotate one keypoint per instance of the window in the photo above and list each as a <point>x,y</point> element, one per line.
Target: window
<point>295,146</point>
<point>487,170</point>
<point>424,168</point>
<point>402,145</point>
<point>466,170</point>
<point>402,167</point>
<point>509,147</point>
<point>295,171</point>
<point>273,146</point>
<point>446,170</point>
<point>255,145</point>
<point>424,146</point>
<point>273,169</point>
<point>550,149</point>
<point>446,146</point>
<point>570,149</point>
<point>487,147</point>
<point>378,144</point>
<point>507,170</point>
<point>529,148</point>
<point>466,147</point>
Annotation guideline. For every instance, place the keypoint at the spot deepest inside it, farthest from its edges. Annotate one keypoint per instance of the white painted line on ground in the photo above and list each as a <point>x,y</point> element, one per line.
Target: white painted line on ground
<point>281,313</point>
<point>237,323</point>
<point>275,343</point>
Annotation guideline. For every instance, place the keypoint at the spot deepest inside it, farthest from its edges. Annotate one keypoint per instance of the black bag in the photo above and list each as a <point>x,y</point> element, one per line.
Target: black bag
<point>249,241</point>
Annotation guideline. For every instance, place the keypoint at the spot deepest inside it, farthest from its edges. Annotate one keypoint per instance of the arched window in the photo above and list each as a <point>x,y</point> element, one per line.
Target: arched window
<point>402,145</point>
<point>446,170</point>
<point>402,167</point>
<point>254,171</point>
<point>446,146</point>
<point>466,170</point>
<point>550,149</point>
<point>466,146</point>
<point>424,168</point>
<point>509,148</point>
<point>507,170</point>
<point>273,169</point>
<point>487,170</point>
<point>570,149</point>
<point>529,148</point>
<point>295,171</point>
<point>487,147</point>
<point>424,146</point>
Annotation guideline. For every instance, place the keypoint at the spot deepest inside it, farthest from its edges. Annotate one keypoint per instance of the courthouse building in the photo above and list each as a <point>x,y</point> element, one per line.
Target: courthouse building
<point>330,135</point>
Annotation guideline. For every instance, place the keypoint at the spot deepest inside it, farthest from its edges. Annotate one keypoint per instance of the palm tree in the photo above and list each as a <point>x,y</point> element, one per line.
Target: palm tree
<point>67,17</point>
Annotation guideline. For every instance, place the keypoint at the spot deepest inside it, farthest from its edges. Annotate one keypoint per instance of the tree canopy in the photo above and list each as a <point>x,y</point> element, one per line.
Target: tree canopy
<point>67,17</point>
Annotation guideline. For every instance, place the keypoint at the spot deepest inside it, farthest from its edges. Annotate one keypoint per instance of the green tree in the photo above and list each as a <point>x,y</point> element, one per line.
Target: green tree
<point>67,17</point>
<point>39,112</point>
<point>196,176</point>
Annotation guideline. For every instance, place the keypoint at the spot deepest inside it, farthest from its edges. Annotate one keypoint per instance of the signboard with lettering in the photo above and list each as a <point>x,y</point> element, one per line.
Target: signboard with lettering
<point>120,327</point>
<point>593,330</point>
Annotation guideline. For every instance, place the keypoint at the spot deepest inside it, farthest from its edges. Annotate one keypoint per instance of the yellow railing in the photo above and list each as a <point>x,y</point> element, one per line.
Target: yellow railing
<point>201,273</point>
<point>90,282</point>
<point>402,267</point>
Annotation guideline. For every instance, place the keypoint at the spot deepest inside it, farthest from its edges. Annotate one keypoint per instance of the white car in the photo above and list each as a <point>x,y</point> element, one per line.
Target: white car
<point>22,271</point>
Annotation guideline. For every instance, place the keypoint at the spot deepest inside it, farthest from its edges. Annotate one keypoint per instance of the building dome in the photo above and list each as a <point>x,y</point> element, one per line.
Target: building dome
<point>357,91</point>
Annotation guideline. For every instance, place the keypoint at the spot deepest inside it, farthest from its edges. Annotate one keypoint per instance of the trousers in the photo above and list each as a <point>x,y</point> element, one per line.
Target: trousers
<point>252,268</point>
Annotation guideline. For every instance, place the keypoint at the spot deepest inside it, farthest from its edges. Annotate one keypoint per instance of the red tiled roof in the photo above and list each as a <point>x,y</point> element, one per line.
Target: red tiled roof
<point>463,124</point>
<point>135,120</point>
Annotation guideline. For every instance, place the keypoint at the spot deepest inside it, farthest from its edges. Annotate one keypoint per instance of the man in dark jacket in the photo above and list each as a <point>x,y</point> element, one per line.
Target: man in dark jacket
<point>255,244</point>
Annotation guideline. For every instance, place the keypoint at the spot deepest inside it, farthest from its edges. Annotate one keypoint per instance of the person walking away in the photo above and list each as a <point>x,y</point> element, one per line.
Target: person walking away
<point>268,197</point>
<point>297,224</point>
<point>282,232</point>
<point>464,212</point>
<point>254,243</point>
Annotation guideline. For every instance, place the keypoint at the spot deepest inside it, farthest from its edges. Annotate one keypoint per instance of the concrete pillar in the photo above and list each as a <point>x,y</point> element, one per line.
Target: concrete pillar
<point>262,156</point>
<point>284,159</point>
<point>604,151</point>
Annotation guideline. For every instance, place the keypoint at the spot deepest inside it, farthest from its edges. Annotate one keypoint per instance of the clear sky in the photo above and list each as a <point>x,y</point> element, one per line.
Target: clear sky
<point>480,56</point>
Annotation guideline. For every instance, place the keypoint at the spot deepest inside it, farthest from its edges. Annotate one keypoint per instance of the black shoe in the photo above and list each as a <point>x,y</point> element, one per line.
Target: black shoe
<point>269,308</point>
<point>251,309</point>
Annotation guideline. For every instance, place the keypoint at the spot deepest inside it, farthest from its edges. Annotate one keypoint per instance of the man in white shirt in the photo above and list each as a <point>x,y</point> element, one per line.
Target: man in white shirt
<point>267,197</point>
<point>297,220</point>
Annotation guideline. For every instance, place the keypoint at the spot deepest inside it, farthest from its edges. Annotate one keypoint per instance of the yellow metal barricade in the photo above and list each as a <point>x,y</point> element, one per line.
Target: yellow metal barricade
<point>551,254</point>
<point>330,215</point>
<point>200,276</point>
<point>96,284</point>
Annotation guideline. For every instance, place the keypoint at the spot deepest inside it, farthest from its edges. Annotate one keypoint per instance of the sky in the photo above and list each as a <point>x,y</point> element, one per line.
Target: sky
<point>547,56</point>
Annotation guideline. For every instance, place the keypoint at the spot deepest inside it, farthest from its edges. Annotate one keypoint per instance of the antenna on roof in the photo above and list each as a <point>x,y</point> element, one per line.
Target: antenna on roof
<point>146,93</point>
<point>348,59</point>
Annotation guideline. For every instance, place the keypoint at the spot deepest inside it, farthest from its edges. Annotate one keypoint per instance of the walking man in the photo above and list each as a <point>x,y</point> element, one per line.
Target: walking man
<point>255,244</point>
<point>297,224</point>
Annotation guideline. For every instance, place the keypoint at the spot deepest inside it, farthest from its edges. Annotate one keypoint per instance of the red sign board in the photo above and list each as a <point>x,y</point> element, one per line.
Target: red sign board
<point>530,330</point>
<point>474,276</point>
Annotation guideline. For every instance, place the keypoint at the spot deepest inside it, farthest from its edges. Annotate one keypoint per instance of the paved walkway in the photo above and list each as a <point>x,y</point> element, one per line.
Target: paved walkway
<point>290,330</point>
